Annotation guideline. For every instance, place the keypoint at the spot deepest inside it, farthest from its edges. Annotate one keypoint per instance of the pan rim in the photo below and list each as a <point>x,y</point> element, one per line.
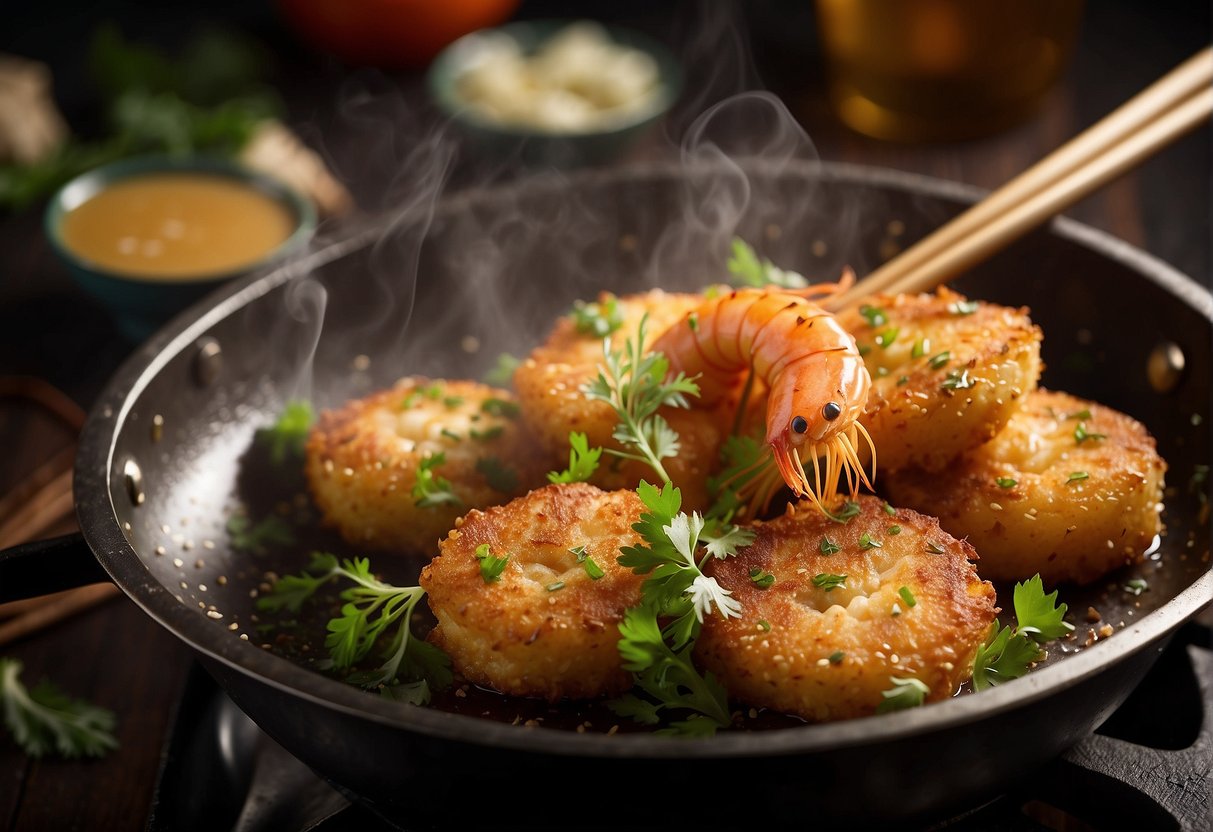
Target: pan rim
<point>98,519</point>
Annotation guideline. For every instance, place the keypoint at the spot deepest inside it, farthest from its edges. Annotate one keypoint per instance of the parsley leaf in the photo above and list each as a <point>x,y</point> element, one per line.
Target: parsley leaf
<point>1006,482</point>
<point>498,475</point>
<point>583,461</point>
<point>45,719</point>
<point>634,385</point>
<point>826,581</point>
<point>1039,615</point>
<point>372,607</point>
<point>431,490</point>
<point>866,541</point>
<point>598,319</point>
<point>287,437</point>
<point>850,509</point>
<point>747,270</point>
<point>502,373</point>
<point>257,538</point>
<point>905,693</point>
<point>828,547</point>
<point>761,579</point>
<point>490,567</point>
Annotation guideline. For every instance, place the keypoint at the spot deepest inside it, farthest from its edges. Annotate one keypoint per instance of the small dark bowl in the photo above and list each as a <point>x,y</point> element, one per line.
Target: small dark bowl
<point>139,303</point>
<point>535,146</point>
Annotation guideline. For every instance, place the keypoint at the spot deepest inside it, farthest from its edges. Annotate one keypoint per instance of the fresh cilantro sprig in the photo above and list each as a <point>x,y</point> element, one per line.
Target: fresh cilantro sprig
<point>583,460</point>
<point>1008,653</point>
<point>748,270</point>
<point>678,591</point>
<point>287,437</point>
<point>44,719</point>
<point>598,319</point>
<point>635,386</point>
<point>431,490</point>
<point>412,667</point>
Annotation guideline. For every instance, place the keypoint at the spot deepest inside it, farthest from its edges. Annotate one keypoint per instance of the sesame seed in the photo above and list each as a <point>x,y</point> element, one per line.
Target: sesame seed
<point>178,562</point>
<point>244,636</point>
<point>202,587</point>
<point>995,507</point>
<point>233,626</point>
<point>823,662</point>
<point>221,580</point>
<point>214,614</point>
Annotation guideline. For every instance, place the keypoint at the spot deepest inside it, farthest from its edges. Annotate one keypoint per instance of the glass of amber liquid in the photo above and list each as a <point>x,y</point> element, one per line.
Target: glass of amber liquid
<point>927,70</point>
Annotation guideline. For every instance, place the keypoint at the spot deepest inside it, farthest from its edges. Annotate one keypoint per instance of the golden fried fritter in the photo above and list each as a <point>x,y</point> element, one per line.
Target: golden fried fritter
<point>549,385</point>
<point>363,461</point>
<point>1080,493</point>
<point>545,627</point>
<point>911,605</point>
<point>947,373</point>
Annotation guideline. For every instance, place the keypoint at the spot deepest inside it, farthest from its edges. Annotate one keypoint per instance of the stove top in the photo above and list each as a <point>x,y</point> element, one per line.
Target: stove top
<point>1147,767</point>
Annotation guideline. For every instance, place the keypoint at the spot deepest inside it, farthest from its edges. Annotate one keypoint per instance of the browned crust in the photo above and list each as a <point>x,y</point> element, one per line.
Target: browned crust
<point>787,667</point>
<point>1066,531</point>
<point>516,636</point>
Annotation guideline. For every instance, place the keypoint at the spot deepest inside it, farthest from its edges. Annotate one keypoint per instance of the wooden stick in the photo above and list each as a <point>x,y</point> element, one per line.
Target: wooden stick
<point>45,394</point>
<point>56,609</point>
<point>34,482</point>
<point>1191,78</point>
<point>1025,216</point>
<point>47,506</point>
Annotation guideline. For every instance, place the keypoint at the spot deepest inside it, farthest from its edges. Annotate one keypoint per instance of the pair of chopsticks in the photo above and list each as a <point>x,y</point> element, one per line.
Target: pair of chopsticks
<point>42,501</point>
<point>1174,105</point>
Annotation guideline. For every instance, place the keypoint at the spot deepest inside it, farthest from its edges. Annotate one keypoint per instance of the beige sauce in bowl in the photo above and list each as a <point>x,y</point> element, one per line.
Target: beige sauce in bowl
<point>177,226</point>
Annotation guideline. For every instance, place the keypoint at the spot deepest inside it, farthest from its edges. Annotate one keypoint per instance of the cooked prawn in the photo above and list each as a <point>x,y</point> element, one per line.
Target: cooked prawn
<point>818,385</point>
<point>894,596</point>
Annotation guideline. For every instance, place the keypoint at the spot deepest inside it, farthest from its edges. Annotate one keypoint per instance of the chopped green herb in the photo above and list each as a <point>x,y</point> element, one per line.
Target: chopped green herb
<point>1082,415</point>
<point>1081,434</point>
<point>1006,482</point>
<point>875,315</point>
<point>1136,586</point>
<point>889,510</point>
<point>498,475</point>
<point>635,384</point>
<point>433,392</point>
<point>904,380</point>
<point>937,361</point>
<point>886,338</point>
<point>452,402</point>
<point>451,435</point>
<point>247,536</point>
<point>837,656</point>
<point>958,380</point>
<point>371,607</point>
<point>826,581</point>
<point>748,270</point>
<point>963,307</point>
<point>920,348</point>
<point>908,597</point>
<point>583,461</point>
<point>502,373</point>
<point>764,625</point>
<point>490,567</point>
<point>598,319</point>
<point>894,529</point>
<point>44,719</point>
<point>431,490</point>
<point>864,349</point>
<point>761,579</point>
<point>934,548</point>
<point>592,569</point>
<point>287,437</point>
<point>501,407</point>
<point>905,693</point>
<point>850,510</point>
<point>828,547</point>
<point>866,541</point>
<point>1077,476</point>
<point>580,552</point>
<point>410,400</point>
<point>486,435</point>
<point>553,587</point>
<point>693,321</point>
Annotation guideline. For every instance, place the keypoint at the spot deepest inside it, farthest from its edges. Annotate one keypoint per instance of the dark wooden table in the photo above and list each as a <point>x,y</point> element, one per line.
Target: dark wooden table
<point>118,658</point>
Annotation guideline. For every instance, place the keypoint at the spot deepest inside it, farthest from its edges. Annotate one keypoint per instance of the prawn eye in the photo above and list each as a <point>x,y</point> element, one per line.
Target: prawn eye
<point>831,411</point>
<point>800,424</point>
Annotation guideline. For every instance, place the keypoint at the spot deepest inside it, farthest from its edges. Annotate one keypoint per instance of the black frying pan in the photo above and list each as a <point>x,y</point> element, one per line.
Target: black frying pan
<point>497,266</point>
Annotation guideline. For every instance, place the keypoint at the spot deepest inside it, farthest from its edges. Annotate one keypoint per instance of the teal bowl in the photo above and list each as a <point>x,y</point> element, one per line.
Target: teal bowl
<point>547,147</point>
<point>139,304</point>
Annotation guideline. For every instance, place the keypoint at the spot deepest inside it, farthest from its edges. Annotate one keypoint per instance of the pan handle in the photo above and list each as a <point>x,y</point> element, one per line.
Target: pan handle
<point>46,566</point>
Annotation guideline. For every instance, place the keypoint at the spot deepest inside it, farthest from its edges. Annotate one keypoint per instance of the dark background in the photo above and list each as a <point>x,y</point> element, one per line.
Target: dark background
<point>119,658</point>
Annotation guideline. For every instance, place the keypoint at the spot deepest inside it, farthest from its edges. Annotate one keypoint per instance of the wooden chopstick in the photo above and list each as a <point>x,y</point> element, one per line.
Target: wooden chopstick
<point>1172,106</point>
<point>55,608</point>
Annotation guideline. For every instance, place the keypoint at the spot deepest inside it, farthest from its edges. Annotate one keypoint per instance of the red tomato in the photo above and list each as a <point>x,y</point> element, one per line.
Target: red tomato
<point>390,33</point>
